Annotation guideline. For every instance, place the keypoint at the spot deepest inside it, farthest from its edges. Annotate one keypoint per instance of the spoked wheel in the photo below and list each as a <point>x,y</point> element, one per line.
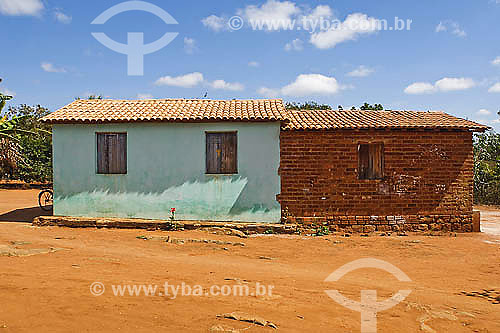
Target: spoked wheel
<point>45,200</point>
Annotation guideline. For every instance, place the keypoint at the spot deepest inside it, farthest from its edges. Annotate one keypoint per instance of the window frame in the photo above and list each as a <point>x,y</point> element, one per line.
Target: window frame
<point>223,172</point>
<point>371,174</point>
<point>99,172</point>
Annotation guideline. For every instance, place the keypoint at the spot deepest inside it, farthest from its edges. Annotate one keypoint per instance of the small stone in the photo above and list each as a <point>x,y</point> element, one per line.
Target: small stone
<point>265,258</point>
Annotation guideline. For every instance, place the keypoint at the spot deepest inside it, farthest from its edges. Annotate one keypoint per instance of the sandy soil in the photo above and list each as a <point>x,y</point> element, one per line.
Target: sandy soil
<point>46,274</point>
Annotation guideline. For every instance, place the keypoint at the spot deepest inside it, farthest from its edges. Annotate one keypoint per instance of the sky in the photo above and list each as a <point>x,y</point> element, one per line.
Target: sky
<point>441,55</point>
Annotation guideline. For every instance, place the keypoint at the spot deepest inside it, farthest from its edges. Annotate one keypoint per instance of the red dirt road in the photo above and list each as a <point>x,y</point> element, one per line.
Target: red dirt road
<point>45,282</point>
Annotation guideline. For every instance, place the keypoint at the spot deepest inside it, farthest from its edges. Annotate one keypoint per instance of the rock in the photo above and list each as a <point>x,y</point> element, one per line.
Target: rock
<point>265,258</point>
<point>245,317</point>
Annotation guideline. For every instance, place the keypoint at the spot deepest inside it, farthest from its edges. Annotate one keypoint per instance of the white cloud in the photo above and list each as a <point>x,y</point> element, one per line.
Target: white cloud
<point>295,45</point>
<point>355,25</point>
<point>268,92</point>
<point>318,13</point>
<point>496,61</point>
<point>221,84</point>
<point>51,68</point>
<point>443,85</point>
<point>305,85</point>
<point>21,7</point>
<point>361,71</point>
<point>214,22</point>
<point>144,96</point>
<point>454,84</point>
<point>418,88</point>
<point>184,81</point>
<point>189,45</point>
<point>495,88</point>
<point>253,64</point>
<point>62,18</point>
<point>483,112</point>
<point>280,12</point>
<point>452,27</point>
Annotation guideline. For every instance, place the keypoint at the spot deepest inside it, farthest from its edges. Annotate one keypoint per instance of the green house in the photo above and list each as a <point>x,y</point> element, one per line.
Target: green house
<point>209,159</point>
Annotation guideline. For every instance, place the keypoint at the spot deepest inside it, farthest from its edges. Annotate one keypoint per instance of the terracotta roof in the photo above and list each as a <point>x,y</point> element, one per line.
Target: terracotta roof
<point>104,111</point>
<point>332,119</point>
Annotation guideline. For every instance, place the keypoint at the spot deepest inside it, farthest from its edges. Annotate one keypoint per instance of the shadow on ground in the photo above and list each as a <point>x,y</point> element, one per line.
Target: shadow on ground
<point>23,214</point>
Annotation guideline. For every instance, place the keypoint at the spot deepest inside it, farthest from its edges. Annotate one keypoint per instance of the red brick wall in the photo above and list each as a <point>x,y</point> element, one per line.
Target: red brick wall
<point>426,173</point>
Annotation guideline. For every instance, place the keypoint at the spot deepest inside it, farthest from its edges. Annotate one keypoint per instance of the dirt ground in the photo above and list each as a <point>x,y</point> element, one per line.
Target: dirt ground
<point>46,277</point>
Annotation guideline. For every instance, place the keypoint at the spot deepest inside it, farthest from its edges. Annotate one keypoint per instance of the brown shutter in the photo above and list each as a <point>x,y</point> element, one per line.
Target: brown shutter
<point>363,161</point>
<point>376,156</point>
<point>122,153</point>
<point>102,154</point>
<point>371,161</point>
<point>214,153</point>
<point>112,153</point>
<point>221,153</point>
<point>229,155</point>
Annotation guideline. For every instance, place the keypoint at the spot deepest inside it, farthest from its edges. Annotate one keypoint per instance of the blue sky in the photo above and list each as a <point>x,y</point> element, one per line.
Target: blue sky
<point>448,60</point>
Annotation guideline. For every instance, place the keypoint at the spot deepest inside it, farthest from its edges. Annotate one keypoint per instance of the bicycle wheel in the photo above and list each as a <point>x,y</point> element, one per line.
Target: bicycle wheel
<point>45,200</point>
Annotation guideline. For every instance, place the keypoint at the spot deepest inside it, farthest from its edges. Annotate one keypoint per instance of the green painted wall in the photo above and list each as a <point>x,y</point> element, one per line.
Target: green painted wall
<point>166,168</point>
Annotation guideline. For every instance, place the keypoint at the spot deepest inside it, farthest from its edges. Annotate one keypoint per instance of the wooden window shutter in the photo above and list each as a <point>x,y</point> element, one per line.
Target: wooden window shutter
<point>221,153</point>
<point>214,153</point>
<point>112,153</point>
<point>102,154</point>
<point>364,163</point>
<point>229,159</point>
<point>371,161</point>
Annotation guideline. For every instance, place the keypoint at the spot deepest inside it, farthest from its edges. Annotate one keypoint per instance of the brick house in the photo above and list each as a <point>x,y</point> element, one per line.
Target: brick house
<point>378,170</point>
<point>254,161</point>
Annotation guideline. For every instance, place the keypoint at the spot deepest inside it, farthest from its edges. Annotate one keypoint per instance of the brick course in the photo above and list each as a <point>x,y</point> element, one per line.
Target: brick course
<point>427,184</point>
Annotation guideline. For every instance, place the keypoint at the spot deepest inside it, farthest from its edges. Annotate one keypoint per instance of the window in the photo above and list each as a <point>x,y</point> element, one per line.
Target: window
<point>371,161</point>
<point>221,153</point>
<point>112,153</point>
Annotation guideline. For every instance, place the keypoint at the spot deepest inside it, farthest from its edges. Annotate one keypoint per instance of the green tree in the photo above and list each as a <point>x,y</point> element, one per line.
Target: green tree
<point>376,107</point>
<point>311,105</point>
<point>35,143</point>
<point>487,168</point>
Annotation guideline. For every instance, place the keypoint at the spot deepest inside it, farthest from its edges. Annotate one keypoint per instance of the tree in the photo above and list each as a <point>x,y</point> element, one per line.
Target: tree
<point>311,105</point>
<point>487,168</point>
<point>90,97</point>
<point>3,99</point>
<point>27,154</point>
<point>376,107</point>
